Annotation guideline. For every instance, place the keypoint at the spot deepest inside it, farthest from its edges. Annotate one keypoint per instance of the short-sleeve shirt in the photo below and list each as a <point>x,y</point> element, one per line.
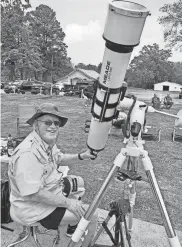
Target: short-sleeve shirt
<point>32,168</point>
<point>168,99</point>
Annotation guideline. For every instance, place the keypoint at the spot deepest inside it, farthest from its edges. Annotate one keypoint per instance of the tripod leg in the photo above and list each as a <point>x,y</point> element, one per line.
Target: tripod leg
<point>172,237</point>
<point>122,234</point>
<point>130,221</point>
<point>130,194</point>
<point>118,162</point>
<point>133,163</point>
<point>128,236</point>
<point>100,231</point>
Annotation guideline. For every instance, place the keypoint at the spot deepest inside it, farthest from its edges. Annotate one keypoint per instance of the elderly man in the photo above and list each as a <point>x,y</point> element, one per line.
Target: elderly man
<point>156,103</point>
<point>39,192</point>
<point>168,102</point>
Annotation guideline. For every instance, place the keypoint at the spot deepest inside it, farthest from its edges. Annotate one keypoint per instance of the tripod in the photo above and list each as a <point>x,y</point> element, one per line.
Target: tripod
<point>134,148</point>
<point>118,208</point>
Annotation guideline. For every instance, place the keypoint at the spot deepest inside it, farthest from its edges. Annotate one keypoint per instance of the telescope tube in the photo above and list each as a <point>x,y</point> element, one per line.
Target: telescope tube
<point>124,24</point>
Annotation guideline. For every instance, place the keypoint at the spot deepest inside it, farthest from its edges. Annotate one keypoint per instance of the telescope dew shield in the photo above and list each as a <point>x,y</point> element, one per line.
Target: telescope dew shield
<point>124,25</point>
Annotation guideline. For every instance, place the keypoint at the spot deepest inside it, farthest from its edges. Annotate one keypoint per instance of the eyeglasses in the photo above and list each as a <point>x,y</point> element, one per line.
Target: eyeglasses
<point>50,122</point>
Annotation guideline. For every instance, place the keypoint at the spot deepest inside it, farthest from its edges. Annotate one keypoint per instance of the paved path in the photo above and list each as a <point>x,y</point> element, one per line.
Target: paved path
<point>144,234</point>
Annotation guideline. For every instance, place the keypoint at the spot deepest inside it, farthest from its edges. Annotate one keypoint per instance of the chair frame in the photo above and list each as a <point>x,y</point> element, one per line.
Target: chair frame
<point>157,134</point>
<point>33,231</point>
<point>21,120</point>
<point>175,133</point>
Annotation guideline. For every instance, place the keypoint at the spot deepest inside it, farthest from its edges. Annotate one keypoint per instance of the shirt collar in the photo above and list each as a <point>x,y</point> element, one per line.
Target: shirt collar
<point>42,143</point>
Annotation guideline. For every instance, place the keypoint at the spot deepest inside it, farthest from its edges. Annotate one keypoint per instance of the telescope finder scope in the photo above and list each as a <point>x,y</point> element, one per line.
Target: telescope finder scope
<point>124,24</point>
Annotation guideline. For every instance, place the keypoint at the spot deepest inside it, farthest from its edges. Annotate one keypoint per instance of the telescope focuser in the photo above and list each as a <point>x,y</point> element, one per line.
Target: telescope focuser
<point>135,129</point>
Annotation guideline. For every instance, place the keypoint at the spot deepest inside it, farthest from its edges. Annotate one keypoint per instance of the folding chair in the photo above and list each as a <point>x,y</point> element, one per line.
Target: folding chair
<point>32,230</point>
<point>25,112</point>
<point>117,127</point>
<point>177,129</point>
<point>151,132</point>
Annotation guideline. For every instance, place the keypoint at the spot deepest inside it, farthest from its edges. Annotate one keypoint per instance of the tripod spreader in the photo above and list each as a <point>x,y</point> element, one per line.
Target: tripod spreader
<point>123,174</point>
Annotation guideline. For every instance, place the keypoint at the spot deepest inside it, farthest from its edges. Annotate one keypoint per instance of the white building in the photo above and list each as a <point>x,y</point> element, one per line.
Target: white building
<point>76,75</point>
<point>167,86</point>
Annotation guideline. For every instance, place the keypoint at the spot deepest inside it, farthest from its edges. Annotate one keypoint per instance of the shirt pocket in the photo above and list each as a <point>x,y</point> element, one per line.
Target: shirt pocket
<point>47,170</point>
<point>51,178</point>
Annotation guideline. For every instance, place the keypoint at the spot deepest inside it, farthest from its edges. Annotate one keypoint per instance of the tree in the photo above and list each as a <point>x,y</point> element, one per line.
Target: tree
<point>20,54</point>
<point>50,36</point>
<point>99,67</point>
<point>150,67</point>
<point>10,3</point>
<point>172,22</point>
<point>178,72</point>
<point>87,67</point>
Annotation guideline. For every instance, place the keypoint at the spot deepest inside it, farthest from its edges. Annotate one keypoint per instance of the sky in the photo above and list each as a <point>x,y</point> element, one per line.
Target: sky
<point>83,22</point>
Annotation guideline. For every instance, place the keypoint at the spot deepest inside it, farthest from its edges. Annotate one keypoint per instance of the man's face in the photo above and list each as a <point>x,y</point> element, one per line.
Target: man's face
<point>46,131</point>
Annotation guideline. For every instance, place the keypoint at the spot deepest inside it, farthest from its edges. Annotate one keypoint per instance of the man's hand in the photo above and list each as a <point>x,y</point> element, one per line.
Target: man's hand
<point>75,206</point>
<point>88,155</point>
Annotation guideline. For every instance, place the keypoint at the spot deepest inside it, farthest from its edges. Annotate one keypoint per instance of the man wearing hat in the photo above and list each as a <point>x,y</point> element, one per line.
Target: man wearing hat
<point>168,102</point>
<point>39,191</point>
<point>156,103</point>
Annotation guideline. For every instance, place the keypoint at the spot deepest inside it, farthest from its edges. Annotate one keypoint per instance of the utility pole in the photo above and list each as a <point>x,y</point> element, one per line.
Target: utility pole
<point>51,73</point>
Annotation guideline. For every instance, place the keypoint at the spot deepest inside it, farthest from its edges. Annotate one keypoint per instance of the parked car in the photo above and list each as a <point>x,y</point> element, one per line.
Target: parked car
<point>44,88</point>
<point>13,89</point>
<point>36,89</point>
<point>71,90</point>
<point>180,94</point>
<point>26,86</point>
<point>2,85</point>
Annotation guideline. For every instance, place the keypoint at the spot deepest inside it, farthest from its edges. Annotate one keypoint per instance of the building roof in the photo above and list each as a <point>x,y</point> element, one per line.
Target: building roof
<point>91,74</point>
<point>168,83</point>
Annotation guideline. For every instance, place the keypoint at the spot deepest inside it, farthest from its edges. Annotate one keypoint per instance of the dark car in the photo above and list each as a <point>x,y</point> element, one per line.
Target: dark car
<point>2,85</point>
<point>37,88</point>
<point>180,94</point>
<point>71,90</point>
<point>13,89</point>
<point>26,86</point>
<point>44,89</point>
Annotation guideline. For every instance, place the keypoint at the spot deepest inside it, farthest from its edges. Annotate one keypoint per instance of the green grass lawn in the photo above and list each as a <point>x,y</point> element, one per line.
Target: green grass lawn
<point>166,155</point>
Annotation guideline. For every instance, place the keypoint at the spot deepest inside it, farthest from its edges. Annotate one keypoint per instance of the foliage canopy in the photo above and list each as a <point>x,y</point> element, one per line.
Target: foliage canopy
<point>152,66</point>
<point>172,22</point>
<point>32,43</point>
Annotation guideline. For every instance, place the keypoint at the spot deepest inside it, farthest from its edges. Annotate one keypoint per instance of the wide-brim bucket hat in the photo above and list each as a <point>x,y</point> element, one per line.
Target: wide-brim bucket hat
<point>48,108</point>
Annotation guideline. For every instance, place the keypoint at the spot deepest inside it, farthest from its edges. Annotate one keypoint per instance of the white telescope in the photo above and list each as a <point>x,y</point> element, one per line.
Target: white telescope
<point>139,110</point>
<point>123,28</point>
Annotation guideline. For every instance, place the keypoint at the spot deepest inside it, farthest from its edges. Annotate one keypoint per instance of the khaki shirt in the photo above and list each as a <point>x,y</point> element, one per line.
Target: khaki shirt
<point>30,169</point>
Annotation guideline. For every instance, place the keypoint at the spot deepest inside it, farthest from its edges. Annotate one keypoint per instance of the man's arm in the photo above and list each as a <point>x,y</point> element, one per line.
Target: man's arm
<point>49,198</point>
<point>70,159</point>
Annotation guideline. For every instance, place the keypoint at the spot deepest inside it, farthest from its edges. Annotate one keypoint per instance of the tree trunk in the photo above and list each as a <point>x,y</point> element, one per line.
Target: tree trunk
<point>21,74</point>
<point>12,72</point>
<point>35,75</point>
